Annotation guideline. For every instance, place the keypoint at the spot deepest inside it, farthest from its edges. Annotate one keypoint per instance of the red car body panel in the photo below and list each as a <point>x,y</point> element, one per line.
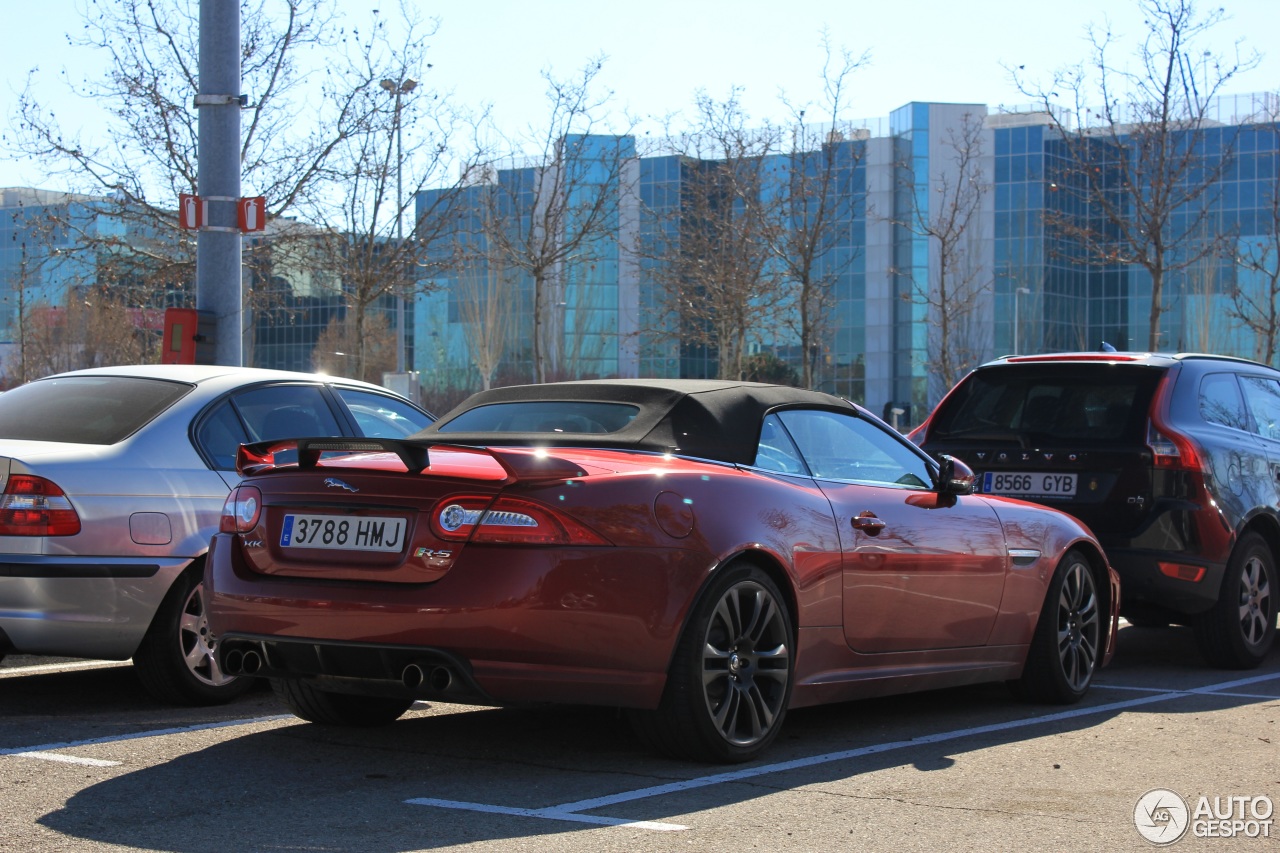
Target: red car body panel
<point>597,624</point>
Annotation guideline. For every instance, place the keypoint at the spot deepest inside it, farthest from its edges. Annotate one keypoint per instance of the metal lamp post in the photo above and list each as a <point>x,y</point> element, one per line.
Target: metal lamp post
<point>398,89</point>
<point>1017,293</point>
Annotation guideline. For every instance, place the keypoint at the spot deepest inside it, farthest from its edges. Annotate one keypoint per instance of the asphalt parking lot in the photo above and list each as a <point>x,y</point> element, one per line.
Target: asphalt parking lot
<point>89,762</point>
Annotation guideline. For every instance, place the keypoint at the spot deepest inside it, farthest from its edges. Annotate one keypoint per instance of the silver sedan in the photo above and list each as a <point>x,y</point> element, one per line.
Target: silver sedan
<point>113,481</point>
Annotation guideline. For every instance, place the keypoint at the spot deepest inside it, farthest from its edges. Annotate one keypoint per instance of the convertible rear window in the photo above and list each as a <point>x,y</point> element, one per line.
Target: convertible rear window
<point>549,417</point>
<point>85,409</point>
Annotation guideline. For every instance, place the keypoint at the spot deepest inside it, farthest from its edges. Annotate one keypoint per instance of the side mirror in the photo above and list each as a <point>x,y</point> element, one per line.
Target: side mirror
<point>954,477</point>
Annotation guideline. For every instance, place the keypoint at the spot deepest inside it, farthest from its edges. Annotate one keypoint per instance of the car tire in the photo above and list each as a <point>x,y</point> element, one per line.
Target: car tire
<point>1239,630</point>
<point>337,709</point>
<point>176,661</point>
<point>1070,635</point>
<point>730,679</point>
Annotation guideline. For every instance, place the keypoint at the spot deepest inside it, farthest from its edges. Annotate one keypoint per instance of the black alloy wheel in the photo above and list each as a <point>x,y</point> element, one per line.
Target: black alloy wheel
<point>730,679</point>
<point>1068,641</point>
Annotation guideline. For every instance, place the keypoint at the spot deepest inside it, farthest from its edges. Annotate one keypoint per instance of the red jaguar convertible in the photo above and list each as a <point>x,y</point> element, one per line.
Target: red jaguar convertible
<point>705,554</point>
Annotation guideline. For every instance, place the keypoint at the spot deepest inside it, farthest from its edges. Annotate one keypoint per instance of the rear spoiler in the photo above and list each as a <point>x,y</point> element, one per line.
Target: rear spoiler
<point>520,464</point>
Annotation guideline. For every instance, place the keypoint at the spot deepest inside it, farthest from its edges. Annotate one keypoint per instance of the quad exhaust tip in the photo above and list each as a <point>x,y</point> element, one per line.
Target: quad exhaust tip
<point>237,662</point>
<point>436,678</point>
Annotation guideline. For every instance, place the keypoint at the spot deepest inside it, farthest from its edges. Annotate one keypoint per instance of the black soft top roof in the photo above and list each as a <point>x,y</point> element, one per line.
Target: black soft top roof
<point>705,418</point>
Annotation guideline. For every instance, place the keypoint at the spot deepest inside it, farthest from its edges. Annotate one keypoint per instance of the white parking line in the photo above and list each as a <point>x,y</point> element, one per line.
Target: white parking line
<point>68,759</point>
<point>13,671</point>
<point>572,811</point>
<point>38,751</point>
<point>1216,689</point>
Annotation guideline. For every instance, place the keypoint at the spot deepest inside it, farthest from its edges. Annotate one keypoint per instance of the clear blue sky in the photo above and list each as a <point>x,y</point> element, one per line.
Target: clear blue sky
<point>661,51</point>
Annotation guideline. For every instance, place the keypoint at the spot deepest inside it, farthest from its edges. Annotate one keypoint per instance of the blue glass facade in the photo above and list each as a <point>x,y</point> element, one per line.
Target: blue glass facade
<point>909,126</point>
<point>1046,290</point>
<point>608,314</point>
<point>840,267</point>
<point>43,263</point>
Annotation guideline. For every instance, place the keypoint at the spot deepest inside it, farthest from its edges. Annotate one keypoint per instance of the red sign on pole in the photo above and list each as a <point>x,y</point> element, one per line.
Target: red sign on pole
<point>252,213</point>
<point>190,210</point>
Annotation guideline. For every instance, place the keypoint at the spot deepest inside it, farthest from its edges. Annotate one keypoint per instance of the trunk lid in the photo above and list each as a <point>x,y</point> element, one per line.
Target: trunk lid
<point>371,510</point>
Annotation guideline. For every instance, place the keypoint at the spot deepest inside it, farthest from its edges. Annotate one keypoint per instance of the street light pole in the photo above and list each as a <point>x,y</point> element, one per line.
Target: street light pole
<point>1017,293</point>
<point>399,88</point>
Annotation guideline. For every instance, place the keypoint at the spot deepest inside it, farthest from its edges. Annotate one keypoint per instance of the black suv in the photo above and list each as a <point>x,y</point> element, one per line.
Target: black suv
<point>1172,460</point>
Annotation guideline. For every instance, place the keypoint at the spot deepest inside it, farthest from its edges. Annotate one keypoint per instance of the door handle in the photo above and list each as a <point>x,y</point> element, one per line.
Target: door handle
<point>867,523</point>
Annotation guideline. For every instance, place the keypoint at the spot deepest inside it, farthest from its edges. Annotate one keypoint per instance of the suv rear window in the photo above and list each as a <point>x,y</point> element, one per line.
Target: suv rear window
<point>85,409</point>
<point>1101,402</point>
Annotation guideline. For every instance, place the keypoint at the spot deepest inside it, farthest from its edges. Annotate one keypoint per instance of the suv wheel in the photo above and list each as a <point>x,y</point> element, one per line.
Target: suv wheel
<point>1240,629</point>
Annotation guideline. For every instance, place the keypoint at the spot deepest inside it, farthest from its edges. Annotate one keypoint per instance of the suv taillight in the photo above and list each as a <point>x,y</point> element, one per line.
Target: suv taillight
<point>1169,448</point>
<point>241,511</point>
<point>34,506</point>
<point>1172,450</point>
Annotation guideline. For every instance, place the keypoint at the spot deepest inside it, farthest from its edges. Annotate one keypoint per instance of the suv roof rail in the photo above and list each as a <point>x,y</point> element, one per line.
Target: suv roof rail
<point>1128,356</point>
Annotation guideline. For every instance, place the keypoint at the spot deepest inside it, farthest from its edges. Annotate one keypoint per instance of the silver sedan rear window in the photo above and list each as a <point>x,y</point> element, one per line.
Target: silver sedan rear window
<point>85,409</point>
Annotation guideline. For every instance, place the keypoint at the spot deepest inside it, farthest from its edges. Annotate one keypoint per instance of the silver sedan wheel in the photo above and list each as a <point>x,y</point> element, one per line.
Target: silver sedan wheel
<point>198,645</point>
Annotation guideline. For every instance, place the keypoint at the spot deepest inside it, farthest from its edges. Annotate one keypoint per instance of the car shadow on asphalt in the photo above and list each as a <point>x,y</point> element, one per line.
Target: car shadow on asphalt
<point>95,697</point>
<point>297,785</point>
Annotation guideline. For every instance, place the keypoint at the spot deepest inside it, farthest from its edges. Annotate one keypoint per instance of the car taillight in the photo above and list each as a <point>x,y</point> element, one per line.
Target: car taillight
<point>1168,452</point>
<point>1169,448</point>
<point>508,521</point>
<point>34,506</point>
<point>241,511</point>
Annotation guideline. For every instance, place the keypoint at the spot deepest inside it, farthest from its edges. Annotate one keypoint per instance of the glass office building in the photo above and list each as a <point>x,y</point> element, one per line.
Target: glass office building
<point>1038,283</point>
<point>57,247</point>
<point>62,249</point>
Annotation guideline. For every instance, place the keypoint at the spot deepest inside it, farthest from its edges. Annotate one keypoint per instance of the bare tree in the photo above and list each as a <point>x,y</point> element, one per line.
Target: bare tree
<point>959,282</point>
<point>1134,142</point>
<point>359,346</point>
<point>1202,328</point>
<point>318,145</point>
<point>30,233</point>
<point>93,329</point>
<point>561,209</point>
<point>152,48</point>
<point>486,297</point>
<point>399,144</point>
<point>714,254</point>
<point>823,155</point>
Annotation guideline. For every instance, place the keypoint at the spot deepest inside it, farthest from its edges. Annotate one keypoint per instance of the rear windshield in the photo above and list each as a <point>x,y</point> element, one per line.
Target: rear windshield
<point>544,416</point>
<point>85,409</point>
<point>1095,402</point>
